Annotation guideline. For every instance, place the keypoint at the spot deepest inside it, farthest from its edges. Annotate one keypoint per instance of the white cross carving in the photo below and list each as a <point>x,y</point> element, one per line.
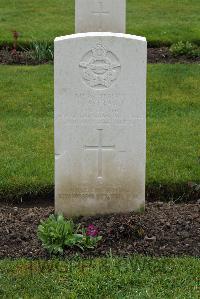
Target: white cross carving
<point>100,148</point>
<point>100,13</point>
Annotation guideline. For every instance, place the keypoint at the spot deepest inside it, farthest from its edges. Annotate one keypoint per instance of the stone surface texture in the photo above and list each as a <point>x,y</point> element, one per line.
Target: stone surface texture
<point>100,16</point>
<point>100,123</point>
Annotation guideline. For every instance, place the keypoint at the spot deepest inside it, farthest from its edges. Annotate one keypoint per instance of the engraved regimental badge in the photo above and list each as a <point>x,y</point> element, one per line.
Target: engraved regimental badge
<point>99,67</point>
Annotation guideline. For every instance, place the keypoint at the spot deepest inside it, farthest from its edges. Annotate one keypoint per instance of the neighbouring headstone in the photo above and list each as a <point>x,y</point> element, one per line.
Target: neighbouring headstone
<point>100,16</point>
<point>100,123</point>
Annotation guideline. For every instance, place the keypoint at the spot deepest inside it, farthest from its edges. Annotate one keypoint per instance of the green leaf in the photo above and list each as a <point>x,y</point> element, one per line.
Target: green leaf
<point>56,233</point>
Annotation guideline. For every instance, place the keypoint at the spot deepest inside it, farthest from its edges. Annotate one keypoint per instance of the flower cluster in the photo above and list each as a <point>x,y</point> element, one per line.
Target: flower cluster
<point>92,231</point>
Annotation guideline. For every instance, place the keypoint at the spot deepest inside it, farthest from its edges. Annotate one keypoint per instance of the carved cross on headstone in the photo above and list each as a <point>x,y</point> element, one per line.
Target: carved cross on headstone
<point>100,148</point>
<point>100,16</point>
<point>100,12</point>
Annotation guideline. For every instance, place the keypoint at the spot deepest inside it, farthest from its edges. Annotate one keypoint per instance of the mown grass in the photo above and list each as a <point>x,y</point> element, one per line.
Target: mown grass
<point>162,22</point>
<point>173,112</point>
<point>26,123</point>
<point>26,145</point>
<point>111,277</point>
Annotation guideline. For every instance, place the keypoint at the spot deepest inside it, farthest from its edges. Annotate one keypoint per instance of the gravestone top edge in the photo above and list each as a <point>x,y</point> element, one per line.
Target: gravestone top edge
<point>100,34</point>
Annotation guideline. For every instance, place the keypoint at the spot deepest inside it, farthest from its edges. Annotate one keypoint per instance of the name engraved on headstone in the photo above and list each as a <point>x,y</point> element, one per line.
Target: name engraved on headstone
<point>110,109</point>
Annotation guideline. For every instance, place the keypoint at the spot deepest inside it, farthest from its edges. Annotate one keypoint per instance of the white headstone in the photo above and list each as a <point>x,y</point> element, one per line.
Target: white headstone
<point>100,16</point>
<point>100,123</point>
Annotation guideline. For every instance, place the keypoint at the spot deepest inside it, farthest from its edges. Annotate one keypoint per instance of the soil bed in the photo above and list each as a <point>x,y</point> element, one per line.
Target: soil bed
<point>164,229</point>
<point>155,55</point>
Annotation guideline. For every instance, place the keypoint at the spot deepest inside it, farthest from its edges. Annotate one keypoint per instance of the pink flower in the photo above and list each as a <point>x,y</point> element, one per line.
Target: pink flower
<point>91,231</point>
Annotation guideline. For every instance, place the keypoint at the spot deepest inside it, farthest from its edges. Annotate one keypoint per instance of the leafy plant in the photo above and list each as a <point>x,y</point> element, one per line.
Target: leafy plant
<point>185,48</point>
<point>41,51</point>
<point>56,233</point>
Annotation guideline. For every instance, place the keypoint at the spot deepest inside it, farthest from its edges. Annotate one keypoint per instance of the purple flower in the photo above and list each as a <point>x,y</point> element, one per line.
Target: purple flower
<point>91,231</point>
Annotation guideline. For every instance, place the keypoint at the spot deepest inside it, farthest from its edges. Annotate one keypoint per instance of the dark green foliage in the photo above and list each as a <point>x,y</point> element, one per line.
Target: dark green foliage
<point>41,51</point>
<point>56,233</point>
<point>185,48</point>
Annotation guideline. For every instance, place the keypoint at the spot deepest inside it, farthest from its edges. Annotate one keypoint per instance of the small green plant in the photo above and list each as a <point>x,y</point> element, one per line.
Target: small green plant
<point>185,48</point>
<point>56,233</point>
<point>41,51</point>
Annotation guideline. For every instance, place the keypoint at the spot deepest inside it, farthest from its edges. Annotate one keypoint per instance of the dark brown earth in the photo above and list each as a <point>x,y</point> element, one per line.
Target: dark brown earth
<point>164,229</point>
<point>155,55</point>
<point>163,55</point>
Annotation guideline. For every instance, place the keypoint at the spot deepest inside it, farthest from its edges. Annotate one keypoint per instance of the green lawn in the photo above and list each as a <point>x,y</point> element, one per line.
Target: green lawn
<point>26,145</point>
<point>26,124</point>
<point>135,277</point>
<point>160,21</point>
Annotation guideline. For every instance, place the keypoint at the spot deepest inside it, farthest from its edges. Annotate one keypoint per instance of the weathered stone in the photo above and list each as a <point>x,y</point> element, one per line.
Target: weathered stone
<point>100,16</point>
<point>100,123</point>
